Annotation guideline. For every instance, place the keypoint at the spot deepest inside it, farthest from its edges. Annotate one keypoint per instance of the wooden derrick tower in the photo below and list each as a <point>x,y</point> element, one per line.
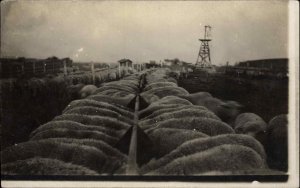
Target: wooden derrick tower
<point>203,59</point>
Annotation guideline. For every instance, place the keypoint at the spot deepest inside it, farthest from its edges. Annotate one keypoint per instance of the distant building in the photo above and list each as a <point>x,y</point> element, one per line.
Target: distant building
<point>125,62</point>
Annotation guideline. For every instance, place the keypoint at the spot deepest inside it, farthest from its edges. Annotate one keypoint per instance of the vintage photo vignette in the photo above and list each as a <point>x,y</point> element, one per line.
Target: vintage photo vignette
<point>293,138</point>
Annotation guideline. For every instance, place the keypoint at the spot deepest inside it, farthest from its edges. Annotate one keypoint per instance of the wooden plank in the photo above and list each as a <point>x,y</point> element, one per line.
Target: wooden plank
<point>132,167</point>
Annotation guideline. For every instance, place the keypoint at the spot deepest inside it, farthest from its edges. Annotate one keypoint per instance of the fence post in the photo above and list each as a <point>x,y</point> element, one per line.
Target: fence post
<point>93,72</point>
<point>65,68</point>
<point>44,67</point>
<point>119,70</point>
<point>33,67</point>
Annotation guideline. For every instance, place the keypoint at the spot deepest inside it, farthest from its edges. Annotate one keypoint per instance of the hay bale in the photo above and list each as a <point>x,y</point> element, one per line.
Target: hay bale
<point>221,158</point>
<point>207,126</point>
<point>102,121</point>
<point>202,144</point>
<point>105,105</point>
<point>94,111</point>
<point>44,166</point>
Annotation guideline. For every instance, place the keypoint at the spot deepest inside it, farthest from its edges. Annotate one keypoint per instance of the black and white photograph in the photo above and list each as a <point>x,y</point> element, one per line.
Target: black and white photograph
<point>149,93</point>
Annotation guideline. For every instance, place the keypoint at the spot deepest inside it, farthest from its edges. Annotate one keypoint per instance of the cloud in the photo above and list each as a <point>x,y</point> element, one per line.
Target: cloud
<point>145,30</point>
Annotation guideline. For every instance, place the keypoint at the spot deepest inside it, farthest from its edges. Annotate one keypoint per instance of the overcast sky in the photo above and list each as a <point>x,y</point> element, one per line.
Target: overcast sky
<point>144,30</point>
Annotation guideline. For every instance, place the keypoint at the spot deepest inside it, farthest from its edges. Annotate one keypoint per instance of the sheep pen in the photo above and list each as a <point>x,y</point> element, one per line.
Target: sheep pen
<point>143,114</point>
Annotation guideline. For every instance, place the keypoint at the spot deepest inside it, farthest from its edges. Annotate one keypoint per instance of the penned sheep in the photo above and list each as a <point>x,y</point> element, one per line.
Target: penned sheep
<point>72,125</point>
<point>89,110</point>
<point>116,87</point>
<point>111,92</point>
<point>194,97</point>
<point>105,105</point>
<point>171,100</point>
<point>207,126</point>
<point>205,143</point>
<point>153,108</point>
<point>119,101</point>
<point>87,90</point>
<point>44,166</point>
<point>158,84</point>
<point>178,114</point>
<point>251,124</point>
<point>101,145</point>
<point>226,110</point>
<point>149,98</point>
<point>226,157</point>
<point>167,139</point>
<point>107,122</point>
<point>175,109</point>
<point>112,76</point>
<point>165,91</point>
<point>74,90</point>
<point>277,142</point>
<point>80,134</point>
<point>86,156</point>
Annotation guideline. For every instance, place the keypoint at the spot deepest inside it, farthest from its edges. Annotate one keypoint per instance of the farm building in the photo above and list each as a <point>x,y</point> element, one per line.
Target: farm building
<point>125,63</point>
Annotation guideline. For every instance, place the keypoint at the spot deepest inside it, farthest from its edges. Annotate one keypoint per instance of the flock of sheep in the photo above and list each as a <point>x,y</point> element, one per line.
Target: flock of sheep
<point>191,134</point>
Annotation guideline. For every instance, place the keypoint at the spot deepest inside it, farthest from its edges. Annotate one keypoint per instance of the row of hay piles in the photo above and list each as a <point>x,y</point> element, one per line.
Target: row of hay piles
<point>81,140</point>
<point>190,139</point>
